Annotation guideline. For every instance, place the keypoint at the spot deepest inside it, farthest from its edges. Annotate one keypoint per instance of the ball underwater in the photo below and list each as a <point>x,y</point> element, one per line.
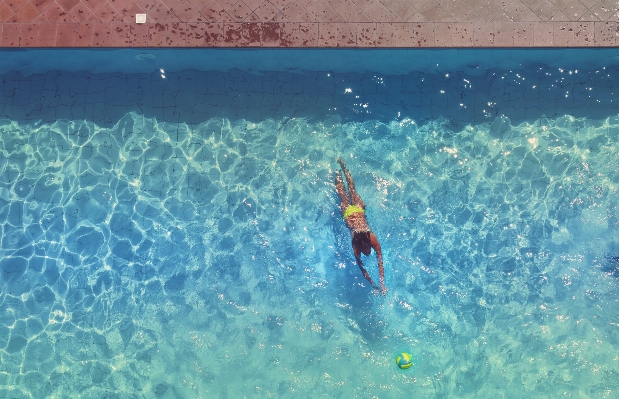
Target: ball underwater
<point>404,360</point>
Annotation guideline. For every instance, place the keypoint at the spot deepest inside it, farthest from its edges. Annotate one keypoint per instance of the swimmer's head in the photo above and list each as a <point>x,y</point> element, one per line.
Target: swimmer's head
<point>361,239</point>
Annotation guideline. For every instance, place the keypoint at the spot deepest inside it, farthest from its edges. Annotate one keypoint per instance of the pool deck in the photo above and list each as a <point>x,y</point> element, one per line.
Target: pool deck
<point>309,23</point>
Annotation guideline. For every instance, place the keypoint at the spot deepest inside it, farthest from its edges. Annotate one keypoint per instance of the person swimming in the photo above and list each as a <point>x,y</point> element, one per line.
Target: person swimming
<point>353,213</point>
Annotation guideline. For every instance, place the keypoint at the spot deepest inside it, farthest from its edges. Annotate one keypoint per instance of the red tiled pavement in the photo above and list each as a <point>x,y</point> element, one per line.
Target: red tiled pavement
<point>309,23</point>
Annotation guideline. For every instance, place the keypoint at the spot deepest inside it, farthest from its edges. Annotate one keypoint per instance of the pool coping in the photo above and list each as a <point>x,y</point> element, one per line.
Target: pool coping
<point>312,34</point>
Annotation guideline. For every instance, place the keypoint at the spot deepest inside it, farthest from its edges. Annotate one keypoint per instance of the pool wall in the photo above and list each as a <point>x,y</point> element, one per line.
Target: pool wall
<point>309,23</point>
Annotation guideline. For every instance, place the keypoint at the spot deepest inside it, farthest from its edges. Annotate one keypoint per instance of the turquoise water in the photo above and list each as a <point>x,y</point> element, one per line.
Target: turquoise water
<point>174,232</point>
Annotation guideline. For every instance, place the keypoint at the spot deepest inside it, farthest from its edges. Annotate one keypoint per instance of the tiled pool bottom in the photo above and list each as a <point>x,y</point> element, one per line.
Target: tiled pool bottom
<point>152,248</point>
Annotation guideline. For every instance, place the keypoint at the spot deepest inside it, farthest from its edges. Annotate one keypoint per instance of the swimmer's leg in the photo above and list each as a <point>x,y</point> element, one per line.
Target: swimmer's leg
<point>341,191</point>
<point>354,196</point>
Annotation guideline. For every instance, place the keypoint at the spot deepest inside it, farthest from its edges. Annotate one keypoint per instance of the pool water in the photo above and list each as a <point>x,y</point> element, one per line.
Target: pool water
<point>170,227</point>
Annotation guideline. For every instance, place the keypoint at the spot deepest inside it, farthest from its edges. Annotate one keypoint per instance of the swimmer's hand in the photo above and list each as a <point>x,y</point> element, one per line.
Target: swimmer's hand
<point>341,162</point>
<point>383,289</point>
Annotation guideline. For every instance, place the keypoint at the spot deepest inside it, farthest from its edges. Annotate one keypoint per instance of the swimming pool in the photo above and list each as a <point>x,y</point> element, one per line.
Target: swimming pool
<point>170,227</point>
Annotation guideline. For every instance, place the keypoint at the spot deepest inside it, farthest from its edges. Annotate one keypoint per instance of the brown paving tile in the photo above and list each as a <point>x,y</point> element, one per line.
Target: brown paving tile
<point>443,35</point>
<point>65,35</point>
<point>101,35</point>
<point>270,35</point>
<point>503,34</point>
<point>55,14</point>
<point>294,12</point>
<point>40,19</point>
<point>176,34</point>
<point>377,12</point>
<point>289,34</point>
<point>41,4</point>
<point>239,11</point>
<point>573,9</point>
<point>148,4</point>
<point>266,11</point>
<point>385,35</point>
<point>5,12</point>
<point>173,5</point>
<point>483,34</point>
<point>530,17</point>
<point>105,12</point>
<point>159,12</point>
<point>308,34</point>
<point>531,3</point>
<point>47,35</point>
<point>324,13</point>
<point>67,5</point>
<point>252,18</point>
<point>472,17</point>
<point>157,35</point>
<point>212,11</point>
<point>403,33</point>
<point>227,4</point>
<point>28,35</point>
<point>194,35</point>
<point>516,10</point>
<point>460,10</point>
<point>233,35</point>
<point>584,34</point>
<point>27,13</point>
<point>346,35</point>
<point>80,13</point>
<point>84,35</point>
<point>121,35</point>
<point>186,12</point>
<point>487,10</point>
<point>281,4</point>
<point>545,10</point>
<point>214,35</point>
<point>477,3</point>
<point>226,18</point>
<point>543,34</point>
<point>327,35</point>
<point>563,34</point>
<point>423,34</point>
<point>251,32</point>
<point>502,17</point>
<point>279,17</point>
<point>362,4</point>
<point>139,35</point>
<point>559,17</point>
<point>605,33</point>
<point>253,4</point>
<point>403,10</point>
<point>463,34</point>
<point>10,35</point>
<point>93,5</point>
<point>523,34</point>
<point>351,13</point>
<point>366,35</point>
<point>15,5</point>
<point>128,12</point>
<point>604,10</point>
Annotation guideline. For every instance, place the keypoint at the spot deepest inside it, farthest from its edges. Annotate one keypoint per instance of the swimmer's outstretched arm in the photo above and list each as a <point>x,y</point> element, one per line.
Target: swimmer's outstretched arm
<point>365,272</point>
<point>379,255</point>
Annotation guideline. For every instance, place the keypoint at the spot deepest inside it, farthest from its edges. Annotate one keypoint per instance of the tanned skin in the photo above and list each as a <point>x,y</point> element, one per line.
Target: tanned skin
<point>363,239</point>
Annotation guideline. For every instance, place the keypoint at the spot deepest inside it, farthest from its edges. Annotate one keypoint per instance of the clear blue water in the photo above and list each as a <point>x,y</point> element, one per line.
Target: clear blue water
<point>170,229</point>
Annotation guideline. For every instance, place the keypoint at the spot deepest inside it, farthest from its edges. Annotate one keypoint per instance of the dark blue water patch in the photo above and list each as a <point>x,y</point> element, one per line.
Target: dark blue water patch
<point>459,95</point>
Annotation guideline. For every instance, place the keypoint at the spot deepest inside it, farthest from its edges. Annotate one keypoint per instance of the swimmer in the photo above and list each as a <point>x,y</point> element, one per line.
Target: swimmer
<point>363,240</point>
